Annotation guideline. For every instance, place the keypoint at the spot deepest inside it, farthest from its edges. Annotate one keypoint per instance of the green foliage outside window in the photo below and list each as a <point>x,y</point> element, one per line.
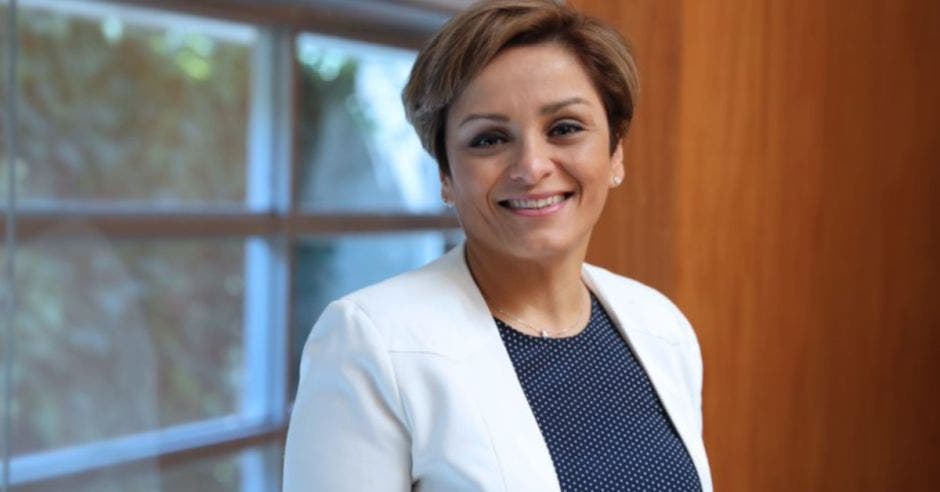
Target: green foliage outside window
<point>109,111</point>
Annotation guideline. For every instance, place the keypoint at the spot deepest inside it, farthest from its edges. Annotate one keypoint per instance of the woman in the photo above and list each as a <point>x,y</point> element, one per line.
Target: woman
<point>508,364</point>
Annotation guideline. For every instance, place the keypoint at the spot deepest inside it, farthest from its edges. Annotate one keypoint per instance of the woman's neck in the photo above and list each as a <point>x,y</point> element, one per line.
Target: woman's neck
<point>548,294</point>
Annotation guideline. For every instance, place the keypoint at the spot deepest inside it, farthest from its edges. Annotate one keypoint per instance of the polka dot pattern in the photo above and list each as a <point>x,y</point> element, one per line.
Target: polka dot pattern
<point>600,416</point>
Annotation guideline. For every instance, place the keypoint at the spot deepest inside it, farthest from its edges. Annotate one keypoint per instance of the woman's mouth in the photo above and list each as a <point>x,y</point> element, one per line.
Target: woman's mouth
<point>534,204</point>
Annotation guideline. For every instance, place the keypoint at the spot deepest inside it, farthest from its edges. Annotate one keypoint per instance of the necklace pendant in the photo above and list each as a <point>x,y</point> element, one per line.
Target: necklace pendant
<point>544,334</point>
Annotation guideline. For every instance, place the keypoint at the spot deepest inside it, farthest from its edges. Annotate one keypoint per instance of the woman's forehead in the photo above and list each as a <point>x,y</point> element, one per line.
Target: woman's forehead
<point>536,78</point>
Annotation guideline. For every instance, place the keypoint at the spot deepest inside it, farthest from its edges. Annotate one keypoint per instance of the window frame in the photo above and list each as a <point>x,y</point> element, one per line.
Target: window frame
<point>271,221</point>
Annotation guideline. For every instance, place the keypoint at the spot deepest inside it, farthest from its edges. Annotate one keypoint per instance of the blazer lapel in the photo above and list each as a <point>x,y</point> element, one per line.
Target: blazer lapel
<point>655,349</point>
<point>490,376</point>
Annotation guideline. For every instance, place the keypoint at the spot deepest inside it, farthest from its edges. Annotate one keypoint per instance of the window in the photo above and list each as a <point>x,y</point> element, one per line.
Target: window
<point>191,191</point>
<point>357,151</point>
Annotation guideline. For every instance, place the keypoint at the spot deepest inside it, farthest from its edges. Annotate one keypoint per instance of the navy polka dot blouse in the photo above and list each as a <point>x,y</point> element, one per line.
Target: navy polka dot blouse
<point>603,423</point>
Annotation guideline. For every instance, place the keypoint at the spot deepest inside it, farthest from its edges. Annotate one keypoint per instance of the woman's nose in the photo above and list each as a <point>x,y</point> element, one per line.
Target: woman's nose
<point>532,164</point>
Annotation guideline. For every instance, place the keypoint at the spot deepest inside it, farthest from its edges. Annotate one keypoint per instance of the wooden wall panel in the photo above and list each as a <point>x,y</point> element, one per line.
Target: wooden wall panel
<point>636,233</point>
<point>796,169</point>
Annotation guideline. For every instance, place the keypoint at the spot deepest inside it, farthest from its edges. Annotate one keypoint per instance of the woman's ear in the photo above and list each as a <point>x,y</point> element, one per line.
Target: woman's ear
<point>617,170</point>
<point>447,191</point>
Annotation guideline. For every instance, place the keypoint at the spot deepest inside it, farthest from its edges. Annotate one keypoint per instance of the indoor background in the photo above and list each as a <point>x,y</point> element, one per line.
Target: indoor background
<point>192,181</point>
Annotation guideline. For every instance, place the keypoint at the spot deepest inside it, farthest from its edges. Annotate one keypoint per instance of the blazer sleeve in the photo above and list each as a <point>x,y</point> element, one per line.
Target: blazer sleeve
<point>347,430</point>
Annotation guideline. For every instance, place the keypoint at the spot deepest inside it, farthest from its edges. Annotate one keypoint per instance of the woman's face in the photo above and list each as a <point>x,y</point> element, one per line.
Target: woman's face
<point>529,153</point>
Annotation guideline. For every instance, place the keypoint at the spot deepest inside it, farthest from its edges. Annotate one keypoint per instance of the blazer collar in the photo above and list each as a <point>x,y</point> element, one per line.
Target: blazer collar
<point>488,371</point>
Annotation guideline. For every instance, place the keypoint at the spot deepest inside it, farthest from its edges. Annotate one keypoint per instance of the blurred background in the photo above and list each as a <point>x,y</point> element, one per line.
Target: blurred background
<point>194,181</point>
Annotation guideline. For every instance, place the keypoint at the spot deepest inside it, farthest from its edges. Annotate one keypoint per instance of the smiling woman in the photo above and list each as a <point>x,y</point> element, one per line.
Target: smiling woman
<point>509,364</point>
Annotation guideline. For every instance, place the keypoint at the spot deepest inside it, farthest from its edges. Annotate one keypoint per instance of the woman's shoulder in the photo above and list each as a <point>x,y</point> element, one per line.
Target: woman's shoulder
<point>649,309</point>
<point>409,291</point>
<point>420,310</point>
<point>626,288</point>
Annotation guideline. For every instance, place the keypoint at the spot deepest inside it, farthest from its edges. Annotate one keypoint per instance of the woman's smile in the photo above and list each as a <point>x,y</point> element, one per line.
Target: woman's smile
<point>536,205</point>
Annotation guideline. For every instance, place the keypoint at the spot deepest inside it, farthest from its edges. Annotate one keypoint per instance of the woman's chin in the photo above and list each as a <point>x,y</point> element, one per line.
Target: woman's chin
<point>539,248</point>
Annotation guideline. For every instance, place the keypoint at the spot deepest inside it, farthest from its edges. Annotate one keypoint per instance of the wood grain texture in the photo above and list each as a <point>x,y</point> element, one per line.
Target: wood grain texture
<point>636,232</point>
<point>802,154</point>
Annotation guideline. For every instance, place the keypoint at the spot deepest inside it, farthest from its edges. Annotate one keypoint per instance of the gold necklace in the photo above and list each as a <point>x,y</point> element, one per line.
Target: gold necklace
<point>541,332</point>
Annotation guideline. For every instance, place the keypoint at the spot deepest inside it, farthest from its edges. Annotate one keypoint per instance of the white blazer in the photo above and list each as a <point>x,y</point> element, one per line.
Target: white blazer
<point>406,385</point>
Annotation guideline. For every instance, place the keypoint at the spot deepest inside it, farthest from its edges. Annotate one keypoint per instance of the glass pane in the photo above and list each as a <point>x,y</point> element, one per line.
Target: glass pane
<point>119,103</point>
<point>326,268</point>
<point>121,337</point>
<point>357,151</point>
<point>255,469</point>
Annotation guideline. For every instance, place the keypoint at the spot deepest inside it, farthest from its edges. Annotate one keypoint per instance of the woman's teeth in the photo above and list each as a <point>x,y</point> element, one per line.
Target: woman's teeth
<point>535,204</point>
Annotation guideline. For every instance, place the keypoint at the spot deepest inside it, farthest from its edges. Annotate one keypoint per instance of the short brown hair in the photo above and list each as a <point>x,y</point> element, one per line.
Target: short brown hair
<point>472,38</point>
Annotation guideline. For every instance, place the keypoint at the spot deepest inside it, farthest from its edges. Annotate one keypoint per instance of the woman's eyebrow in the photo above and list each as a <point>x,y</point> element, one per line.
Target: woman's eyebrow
<point>486,116</point>
<point>544,110</point>
<point>557,106</point>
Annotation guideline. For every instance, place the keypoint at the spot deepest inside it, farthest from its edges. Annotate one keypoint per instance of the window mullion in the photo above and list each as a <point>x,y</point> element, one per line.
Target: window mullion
<point>259,194</point>
<point>266,272</point>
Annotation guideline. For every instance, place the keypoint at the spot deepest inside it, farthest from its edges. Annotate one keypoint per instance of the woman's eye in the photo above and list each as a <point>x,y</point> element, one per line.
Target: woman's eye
<point>565,128</point>
<point>486,140</point>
